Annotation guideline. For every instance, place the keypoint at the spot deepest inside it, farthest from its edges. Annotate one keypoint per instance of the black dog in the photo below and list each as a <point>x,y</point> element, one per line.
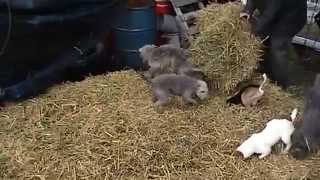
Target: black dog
<point>281,20</point>
<point>306,137</point>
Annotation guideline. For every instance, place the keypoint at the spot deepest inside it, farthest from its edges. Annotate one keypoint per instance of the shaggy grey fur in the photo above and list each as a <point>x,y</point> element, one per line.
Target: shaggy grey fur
<point>166,85</point>
<point>167,59</point>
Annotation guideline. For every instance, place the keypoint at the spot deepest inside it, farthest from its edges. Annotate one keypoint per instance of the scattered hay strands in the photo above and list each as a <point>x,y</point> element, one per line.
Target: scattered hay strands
<point>106,127</point>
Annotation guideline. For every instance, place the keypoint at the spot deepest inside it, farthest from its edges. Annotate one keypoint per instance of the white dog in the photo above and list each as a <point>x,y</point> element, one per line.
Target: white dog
<point>261,143</point>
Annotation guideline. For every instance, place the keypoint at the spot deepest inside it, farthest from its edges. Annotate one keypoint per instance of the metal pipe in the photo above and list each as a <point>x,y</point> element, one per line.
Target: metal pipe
<point>306,42</point>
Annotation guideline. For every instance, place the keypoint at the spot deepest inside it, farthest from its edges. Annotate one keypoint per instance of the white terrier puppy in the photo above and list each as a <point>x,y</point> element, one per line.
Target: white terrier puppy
<point>275,130</point>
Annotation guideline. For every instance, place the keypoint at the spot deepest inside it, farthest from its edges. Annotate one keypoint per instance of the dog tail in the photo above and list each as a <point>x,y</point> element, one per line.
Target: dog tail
<point>294,114</point>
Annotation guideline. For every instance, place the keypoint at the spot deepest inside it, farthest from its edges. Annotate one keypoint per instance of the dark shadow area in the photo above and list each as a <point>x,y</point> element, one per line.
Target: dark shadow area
<point>52,47</point>
<point>73,65</point>
<point>302,69</point>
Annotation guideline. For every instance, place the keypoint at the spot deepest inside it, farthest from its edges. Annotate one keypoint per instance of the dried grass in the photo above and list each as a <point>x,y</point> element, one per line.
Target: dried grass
<point>224,49</point>
<point>106,128</point>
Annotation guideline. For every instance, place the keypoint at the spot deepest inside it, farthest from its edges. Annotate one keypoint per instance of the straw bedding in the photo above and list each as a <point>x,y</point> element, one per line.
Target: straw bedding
<point>106,127</point>
<point>224,49</point>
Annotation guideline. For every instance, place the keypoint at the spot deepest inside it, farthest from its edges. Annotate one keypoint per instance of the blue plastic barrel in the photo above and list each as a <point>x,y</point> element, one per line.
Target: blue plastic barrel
<point>133,27</point>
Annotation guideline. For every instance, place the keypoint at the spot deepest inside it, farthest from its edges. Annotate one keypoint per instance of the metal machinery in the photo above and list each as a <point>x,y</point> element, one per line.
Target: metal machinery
<point>310,35</point>
<point>177,22</point>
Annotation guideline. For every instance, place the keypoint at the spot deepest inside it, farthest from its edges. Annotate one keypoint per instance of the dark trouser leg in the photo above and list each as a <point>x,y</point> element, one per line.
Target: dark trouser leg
<point>278,58</point>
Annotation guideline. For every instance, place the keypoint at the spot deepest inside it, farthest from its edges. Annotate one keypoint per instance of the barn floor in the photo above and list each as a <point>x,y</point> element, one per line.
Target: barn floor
<point>106,128</point>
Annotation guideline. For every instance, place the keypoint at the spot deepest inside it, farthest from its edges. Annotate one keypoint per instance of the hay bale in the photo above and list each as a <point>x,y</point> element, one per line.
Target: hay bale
<point>224,49</point>
<point>106,127</point>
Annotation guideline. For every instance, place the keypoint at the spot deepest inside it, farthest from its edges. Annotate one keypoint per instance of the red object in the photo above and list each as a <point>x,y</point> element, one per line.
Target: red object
<point>163,7</point>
